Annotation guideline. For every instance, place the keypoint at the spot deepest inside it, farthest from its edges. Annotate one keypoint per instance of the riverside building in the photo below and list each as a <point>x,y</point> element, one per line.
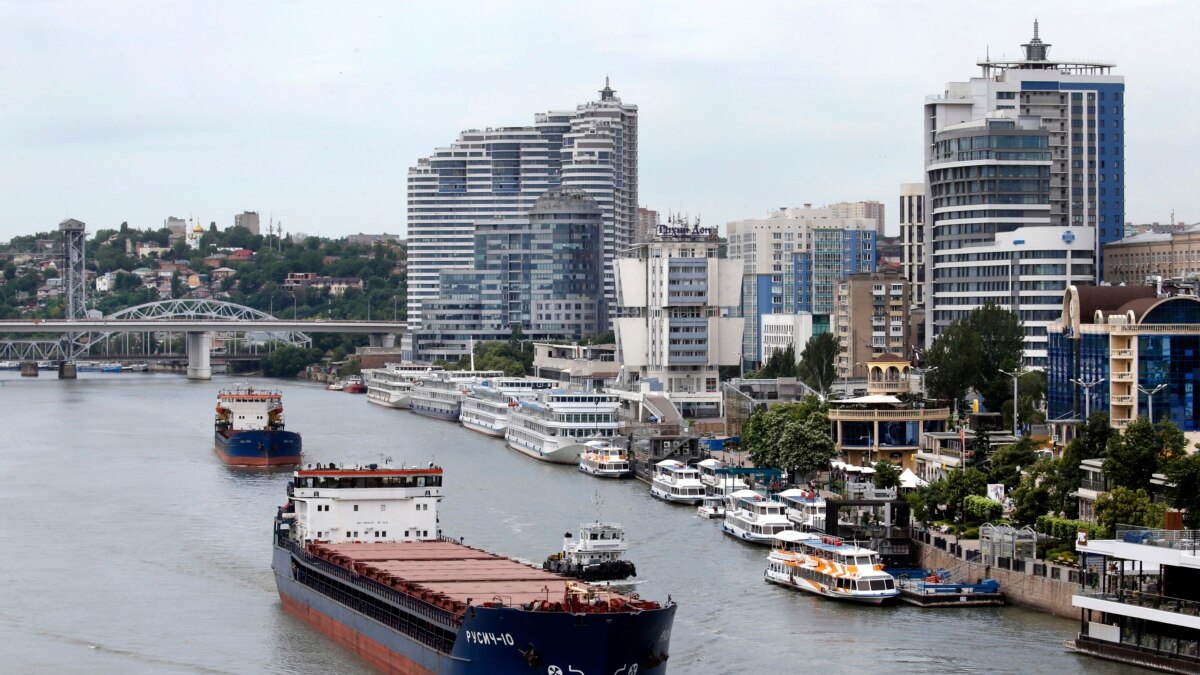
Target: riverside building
<point>678,323</point>
<point>543,272</point>
<point>499,172</point>
<point>793,261</point>
<point>1024,185</point>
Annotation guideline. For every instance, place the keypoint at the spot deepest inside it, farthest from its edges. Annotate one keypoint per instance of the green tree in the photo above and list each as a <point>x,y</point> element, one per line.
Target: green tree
<point>289,361</point>
<point>960,484</point>
<point>1183,473</point>
<point>1091,442</point>
<point>980,450</point>
<point>1002,343</point>
<point>781,363</point>
<point>952,362</point>
<point>806,445</point>
<point>1008,461</point>
<point>1133,458</point>
<point>816,362</point>
<point>1123,506</point>
<point>762,433</point>
<point>1033,496</point>
<point>887,475</point>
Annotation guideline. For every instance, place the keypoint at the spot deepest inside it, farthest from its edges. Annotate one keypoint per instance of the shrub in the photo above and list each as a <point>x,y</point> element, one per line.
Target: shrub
<point>982,510</point>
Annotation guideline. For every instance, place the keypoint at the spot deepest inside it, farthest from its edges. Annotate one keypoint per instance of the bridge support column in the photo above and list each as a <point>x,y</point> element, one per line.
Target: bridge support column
<point>199,351</point>
<point>29,369</point>
<point>66,370</point>
<point>383,340</point>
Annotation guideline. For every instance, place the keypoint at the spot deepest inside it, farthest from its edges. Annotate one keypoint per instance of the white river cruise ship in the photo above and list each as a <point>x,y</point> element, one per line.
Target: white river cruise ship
<point>555,427</point>
<point>392,385</point>
<point>754,518</point>
<point>485,406</point>
<point>441,396</point>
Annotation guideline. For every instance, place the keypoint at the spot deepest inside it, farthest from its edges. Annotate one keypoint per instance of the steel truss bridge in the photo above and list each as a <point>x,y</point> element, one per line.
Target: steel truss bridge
<point>197,320</point>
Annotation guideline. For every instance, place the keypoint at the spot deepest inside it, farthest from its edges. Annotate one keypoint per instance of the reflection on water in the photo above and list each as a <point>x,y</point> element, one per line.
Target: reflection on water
<point>129,546</point>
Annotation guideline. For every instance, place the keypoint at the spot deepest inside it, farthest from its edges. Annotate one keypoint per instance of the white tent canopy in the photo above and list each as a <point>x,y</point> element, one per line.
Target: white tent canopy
<point>872,398</point>
<point>908,479</point>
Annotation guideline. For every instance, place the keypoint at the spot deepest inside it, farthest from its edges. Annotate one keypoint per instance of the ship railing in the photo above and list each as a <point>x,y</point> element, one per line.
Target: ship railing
<point>433,613</point>
<point>1136,598</point>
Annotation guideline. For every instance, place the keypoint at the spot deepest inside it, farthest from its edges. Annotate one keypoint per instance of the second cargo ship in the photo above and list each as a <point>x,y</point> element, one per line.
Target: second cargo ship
<point>250,430</point>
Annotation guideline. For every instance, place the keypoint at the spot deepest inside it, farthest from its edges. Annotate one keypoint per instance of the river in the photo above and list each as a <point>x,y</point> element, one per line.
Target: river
<point>128,546</point>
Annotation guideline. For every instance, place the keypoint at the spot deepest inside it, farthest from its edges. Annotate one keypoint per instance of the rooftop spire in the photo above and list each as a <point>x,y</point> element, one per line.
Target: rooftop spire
<point>607,93</point>
<point>1035,49</point>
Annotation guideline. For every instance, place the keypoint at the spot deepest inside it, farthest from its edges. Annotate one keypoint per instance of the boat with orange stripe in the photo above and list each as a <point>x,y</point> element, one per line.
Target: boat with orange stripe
<point>830,567</point>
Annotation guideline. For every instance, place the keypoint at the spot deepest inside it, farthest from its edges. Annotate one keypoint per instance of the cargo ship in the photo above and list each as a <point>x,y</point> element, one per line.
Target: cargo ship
<point>250,430</point>
<point>359,555</point>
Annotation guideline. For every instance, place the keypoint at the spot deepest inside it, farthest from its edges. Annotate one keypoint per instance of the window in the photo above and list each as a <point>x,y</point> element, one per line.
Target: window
<point>356,507</point>
<point>383,507</point>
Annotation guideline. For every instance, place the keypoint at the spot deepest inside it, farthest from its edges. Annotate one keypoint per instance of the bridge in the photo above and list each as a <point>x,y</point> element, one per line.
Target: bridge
<point>197,319</point>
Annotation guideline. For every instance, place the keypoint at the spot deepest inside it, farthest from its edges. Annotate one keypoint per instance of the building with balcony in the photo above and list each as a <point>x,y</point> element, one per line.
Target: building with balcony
<point>912,239</point>
<point>1139,344</point>
<point>576,366</point>
<point>944,451</point>
<point>879,426</point>
<point>871,321</point>
<point>678,318</point>
<point>1140,602</point>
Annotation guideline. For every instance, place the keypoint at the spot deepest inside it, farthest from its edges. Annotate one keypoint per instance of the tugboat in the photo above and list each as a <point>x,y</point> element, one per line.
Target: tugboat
<point>595,555</point>
<point>249,428</point>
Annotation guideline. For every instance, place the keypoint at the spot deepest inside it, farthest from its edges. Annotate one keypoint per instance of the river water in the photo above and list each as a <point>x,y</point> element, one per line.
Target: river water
<point>128,546</point>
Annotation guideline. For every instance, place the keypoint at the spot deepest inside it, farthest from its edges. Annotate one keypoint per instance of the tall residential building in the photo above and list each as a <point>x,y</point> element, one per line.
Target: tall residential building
<point>871,320</point>
<point>499,172</point>
<point>793,261</point>
<point>912,239</point>
<point>248,220</point>
<point>647,225</point>
<point>1023,186</point>
<point>869,210</point>
<point>678,304</point>
<point>544,272</point>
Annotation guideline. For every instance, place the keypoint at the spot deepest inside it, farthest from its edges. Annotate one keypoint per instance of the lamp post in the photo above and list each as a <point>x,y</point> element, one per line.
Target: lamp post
<point>1150,397</point>
<point>1015,375</point>
<point>394,299</point>
<point>294,302</point>
<point>1087,395</point>
<point>922,371</point>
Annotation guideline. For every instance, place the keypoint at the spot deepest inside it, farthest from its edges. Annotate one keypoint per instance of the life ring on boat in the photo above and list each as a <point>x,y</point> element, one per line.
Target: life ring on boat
<point>933,579</point>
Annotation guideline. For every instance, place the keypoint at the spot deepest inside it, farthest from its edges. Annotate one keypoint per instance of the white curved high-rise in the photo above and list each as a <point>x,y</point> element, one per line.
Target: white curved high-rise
<point>499,172</point>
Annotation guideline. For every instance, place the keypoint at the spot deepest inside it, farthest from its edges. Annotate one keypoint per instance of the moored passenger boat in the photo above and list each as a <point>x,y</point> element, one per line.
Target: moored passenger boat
<point>752,517</point>
<point>359,555</point>
<point>805,508</point>
<point>830,567</point>
<point>392,385</point>
<point>249,429</point>
<point>555,427</point>
<point>604,460</point>
<point>674,481</point>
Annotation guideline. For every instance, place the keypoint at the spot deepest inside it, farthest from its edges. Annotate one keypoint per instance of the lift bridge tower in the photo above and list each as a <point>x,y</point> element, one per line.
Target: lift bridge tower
<point>74,279</point>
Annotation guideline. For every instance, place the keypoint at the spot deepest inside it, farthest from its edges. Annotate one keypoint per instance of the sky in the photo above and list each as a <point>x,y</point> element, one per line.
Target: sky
<point>311,112</point>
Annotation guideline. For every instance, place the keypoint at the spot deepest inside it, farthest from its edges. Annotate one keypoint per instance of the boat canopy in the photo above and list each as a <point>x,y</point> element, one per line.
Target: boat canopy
<point>793,536</point>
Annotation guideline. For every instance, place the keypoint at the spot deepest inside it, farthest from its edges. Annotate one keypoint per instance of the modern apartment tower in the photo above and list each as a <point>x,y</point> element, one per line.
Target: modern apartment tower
<point>543,272</point>
<point>1024,185</point>
<point>793,261</point>
<point>678,323</point>
<point>495,173</point>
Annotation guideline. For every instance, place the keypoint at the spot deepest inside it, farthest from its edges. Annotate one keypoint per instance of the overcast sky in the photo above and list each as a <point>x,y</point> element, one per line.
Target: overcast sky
<point>313,111</point>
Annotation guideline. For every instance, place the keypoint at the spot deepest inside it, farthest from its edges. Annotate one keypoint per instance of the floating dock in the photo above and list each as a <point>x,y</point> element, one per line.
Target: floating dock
<point>936,589</point>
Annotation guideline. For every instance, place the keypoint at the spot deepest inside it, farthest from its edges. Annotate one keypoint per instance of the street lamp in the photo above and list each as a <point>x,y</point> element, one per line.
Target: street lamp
<point>1150,397</point>
<point>922,371</point>
<point>294,307</point>
<point>1087,395</point>
<point>394,299</point>
<point>1015,375</point>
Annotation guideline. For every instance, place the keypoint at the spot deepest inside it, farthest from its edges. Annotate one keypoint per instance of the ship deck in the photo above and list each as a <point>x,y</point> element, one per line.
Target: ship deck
<point>450,574</point>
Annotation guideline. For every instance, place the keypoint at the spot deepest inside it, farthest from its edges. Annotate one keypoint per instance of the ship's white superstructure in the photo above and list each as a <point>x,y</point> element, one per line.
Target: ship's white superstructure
<point>442,393</point>
<point>485,407</point>
<point>674,481</point>
<point>752,517</point>
<point>555,427</point>
<point>337,504</point>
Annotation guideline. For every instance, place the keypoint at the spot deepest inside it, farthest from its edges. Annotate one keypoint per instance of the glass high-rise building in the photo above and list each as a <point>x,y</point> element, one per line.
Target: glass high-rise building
<point>499,172</point>
<point>543,272</point>
<point>1024,185</point>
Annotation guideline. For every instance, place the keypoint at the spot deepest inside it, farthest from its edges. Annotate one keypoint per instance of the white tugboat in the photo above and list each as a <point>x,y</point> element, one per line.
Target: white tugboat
<point>595,555</point>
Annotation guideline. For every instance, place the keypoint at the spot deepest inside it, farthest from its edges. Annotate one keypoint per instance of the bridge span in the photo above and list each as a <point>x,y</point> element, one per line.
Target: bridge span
<point>196,319</point>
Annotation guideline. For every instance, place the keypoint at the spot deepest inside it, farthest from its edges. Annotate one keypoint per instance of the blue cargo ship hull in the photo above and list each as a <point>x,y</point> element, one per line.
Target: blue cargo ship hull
<point>263,447</point>
<point>494,640</point>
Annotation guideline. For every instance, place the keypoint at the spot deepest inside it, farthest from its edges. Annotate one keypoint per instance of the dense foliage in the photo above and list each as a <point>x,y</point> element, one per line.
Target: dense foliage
<point>289,361</point>
<point>1122,506</point>
<point>790,436</point>
<point>887,475</point>
<point>944,499</point>
<point>978,509</point>
<point>816,362</point>
<point>970,355</point>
